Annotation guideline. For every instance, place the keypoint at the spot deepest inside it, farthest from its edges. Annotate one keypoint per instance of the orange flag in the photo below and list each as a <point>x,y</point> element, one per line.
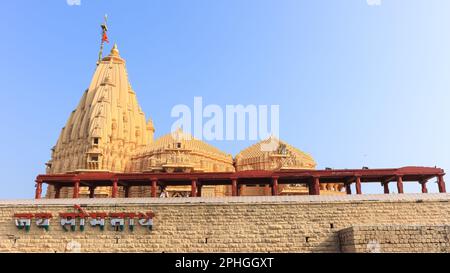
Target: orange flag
<point>105,37</point>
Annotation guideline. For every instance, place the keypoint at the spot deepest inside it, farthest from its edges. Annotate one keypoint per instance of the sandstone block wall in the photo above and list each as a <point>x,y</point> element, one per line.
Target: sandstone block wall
<point>395,238</point>
<point>242,224</point>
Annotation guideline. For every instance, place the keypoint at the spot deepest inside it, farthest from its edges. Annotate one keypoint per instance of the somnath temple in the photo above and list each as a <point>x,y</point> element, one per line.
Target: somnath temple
<point>107,149</point>
<point>108,133</point>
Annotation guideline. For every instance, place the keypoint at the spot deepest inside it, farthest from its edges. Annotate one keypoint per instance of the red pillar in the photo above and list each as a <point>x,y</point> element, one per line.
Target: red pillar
<point>115,188</point>
<point>38,189</point>
<point>234,189</point>
<point>193,188</point>
<point>57,192</point>
<point>154,185</point>
<point>348,188</point>
<point>386,187</point>
<point>76,188</point>
<point>314,188</point>
<point>400,184</point>
<point>358,185</point>
<point>441,183</point>
<point>423,183</point>
<point>91,192</point>
<point>199,189</point>
<point>274,186</point>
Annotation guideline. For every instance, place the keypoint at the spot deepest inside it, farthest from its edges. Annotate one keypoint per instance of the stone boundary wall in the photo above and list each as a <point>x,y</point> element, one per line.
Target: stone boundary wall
<point>240,224</point>
<point>395,238</point>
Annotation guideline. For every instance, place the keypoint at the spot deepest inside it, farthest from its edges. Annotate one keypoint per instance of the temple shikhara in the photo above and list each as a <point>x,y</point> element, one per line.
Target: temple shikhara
<point>107,149</point>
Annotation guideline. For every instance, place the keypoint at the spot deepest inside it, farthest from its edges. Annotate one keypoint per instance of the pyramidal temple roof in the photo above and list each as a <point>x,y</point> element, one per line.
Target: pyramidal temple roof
<point>107,123</point>
<point>272,147</point>
<point>187,141</point>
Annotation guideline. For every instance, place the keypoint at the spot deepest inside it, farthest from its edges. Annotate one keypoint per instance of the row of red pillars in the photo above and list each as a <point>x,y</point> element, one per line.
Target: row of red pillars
<point>399,180</point>
<point>314,187</point>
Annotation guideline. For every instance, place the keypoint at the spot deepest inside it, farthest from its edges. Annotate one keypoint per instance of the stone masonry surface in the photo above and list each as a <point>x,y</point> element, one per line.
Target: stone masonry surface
<point>355,223</point>
<point>395,238</point>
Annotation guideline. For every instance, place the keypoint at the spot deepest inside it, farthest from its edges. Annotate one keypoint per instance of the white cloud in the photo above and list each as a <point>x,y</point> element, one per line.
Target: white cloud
<point>73,2</point>
<point>373,2</point>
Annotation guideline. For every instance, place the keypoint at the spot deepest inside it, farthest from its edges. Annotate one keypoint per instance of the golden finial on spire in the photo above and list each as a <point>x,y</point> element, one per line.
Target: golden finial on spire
<point>115,50</point>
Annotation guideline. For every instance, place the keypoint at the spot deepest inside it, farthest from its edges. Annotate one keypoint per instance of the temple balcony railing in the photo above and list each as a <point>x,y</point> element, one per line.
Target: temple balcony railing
<point>93,165</point>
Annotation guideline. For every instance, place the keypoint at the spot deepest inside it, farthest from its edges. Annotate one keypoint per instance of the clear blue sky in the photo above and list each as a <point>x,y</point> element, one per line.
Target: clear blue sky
<point>358,85</point>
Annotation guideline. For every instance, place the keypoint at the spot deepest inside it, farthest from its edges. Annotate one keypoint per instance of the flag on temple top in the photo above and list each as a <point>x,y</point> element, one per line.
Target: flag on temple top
<point>105,37</point>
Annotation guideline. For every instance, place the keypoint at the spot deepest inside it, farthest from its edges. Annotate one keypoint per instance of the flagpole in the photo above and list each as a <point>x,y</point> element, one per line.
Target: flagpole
<point>104,38</point>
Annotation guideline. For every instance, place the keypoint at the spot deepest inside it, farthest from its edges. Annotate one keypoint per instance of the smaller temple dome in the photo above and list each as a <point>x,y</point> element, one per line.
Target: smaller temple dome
<point>181,152</point>
<point>273,154</point>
